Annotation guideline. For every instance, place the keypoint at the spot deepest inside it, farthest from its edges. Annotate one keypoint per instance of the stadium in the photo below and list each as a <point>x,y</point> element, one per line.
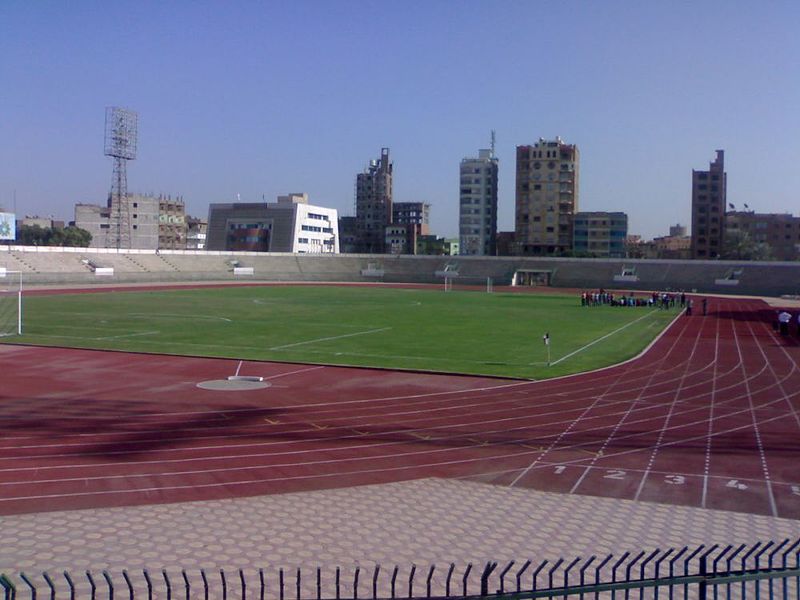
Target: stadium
<point>234,424</point>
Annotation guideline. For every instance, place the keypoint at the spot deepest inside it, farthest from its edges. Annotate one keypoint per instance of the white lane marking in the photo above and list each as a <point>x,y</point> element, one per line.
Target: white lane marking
<point>600,339</point>
<point>238,368</point>
<point>294,372</point>
<point>333,337</point>
<point>712,398</point>
<point>676,397</point>
<point>339,474</point>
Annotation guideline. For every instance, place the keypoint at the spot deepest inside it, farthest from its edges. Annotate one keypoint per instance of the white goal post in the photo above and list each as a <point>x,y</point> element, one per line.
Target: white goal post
<point>475,284</point>
<point>10,302</point>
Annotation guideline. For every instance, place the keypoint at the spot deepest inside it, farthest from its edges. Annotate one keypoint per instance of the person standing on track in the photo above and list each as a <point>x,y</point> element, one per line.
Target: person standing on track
<point>784,318</point>
<point>705,306</point>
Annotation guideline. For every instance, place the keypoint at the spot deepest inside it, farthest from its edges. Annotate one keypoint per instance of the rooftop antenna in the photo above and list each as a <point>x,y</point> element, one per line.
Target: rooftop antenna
<point>493,140</point>
<point>120,144</point>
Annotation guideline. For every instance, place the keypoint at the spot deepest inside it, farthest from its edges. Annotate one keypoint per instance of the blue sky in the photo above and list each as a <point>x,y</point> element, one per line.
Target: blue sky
<point>264,98</point>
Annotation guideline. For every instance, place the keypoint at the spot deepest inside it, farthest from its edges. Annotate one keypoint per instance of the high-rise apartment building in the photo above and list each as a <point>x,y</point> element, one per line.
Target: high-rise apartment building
<point>546,197</point>
<point>708,209</point>
<point>600,234</point>
<point>477,221</point>
<point>374,204</point>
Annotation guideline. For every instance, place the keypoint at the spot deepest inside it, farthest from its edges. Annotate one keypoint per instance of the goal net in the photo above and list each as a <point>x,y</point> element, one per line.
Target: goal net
<point>10,303</point>
<point>468,284</point>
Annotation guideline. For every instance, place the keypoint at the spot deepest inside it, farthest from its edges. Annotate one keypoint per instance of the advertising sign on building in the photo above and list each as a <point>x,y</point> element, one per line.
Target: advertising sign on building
<point>8,226</point>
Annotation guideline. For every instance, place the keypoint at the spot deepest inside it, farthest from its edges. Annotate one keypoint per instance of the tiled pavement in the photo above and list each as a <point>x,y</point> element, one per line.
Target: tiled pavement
<point>424,521</point>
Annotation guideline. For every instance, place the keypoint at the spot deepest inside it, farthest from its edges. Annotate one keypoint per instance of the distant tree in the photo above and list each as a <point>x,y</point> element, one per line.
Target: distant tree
<point>739,245</point>
<point>34,235</point>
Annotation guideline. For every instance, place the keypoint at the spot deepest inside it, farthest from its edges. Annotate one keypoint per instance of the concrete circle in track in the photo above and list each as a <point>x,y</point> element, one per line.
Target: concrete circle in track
<point>233,385</point>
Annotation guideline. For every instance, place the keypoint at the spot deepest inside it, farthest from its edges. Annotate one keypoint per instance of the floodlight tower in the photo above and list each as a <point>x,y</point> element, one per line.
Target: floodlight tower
<point>120,144</point>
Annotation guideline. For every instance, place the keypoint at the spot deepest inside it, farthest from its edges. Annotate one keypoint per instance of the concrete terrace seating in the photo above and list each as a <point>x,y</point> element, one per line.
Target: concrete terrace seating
<point>78,266</point>
<point>51,262</point>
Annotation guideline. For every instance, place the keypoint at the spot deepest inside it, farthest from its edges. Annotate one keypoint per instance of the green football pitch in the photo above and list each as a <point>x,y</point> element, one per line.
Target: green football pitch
<point>424,329</point>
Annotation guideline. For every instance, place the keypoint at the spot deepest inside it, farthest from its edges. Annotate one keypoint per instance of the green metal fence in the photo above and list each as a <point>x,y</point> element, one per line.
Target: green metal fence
<point>768,570</point>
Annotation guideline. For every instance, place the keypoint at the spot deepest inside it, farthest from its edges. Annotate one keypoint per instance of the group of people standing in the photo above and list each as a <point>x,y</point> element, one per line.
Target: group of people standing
<point>662,300</point>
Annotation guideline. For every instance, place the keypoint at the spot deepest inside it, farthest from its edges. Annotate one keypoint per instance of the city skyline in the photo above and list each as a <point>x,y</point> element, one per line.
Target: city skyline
<point>257,99</point>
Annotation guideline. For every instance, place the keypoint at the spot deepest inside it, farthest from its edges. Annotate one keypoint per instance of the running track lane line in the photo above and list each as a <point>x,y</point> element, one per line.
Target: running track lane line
<point>573,423</point>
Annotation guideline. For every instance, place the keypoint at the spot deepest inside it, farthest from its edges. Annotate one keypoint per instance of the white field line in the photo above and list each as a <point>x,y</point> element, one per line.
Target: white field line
<point>333,337</point>
<point>126,335</point>
<point>186,316</point>
<point>600,339</point>
<point>238,368</point>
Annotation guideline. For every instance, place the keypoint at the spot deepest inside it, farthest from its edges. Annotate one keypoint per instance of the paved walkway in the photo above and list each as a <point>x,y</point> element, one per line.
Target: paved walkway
<point>424,522</point>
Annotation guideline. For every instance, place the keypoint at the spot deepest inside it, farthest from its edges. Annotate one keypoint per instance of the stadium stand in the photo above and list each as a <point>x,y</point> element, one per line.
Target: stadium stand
<point>47,265</point>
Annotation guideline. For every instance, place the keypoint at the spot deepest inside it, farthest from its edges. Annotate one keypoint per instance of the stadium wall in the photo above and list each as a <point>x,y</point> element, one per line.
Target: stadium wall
<point>70,266</point>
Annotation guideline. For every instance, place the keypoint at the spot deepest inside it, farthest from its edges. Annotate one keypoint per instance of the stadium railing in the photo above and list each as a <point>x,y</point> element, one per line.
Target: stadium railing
<point>762,570</point>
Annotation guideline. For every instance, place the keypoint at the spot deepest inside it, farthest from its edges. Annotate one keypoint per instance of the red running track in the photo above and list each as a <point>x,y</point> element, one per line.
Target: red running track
<point>709,417</point>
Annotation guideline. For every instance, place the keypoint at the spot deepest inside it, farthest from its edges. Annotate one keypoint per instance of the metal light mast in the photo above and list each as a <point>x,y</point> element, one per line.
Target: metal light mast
<point>120,144</point>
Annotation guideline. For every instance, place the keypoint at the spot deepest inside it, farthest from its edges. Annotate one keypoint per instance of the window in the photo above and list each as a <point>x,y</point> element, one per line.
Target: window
<point>105,226</point>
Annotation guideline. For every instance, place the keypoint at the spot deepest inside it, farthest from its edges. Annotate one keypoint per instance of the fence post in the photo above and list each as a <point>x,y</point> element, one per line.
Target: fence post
<point>411,580</point>
<point>744,566</point>
<point>51,585</point>
<point>535,574</point>
<point>394,578</point>
<point>168,583</point>
<point>519,574</point>
<point>262,584</point>
<point>298,583</point>
<point>598,569</point>
<point>487,571</point>
<point>375,582</point>
<point>91,582</point>
<point>338,576</point>
<point>149,584</point>
<point>503,577</point>
<point>110,585</point>
<point>205,584</point>
<point>658,569</point>
<point>466,578</point>
<point>71,586</point>
<point>628,570</point>
<point>244,585</point>
<point>319,584</point>
<point>355,584</point>
<point>552,571</point>
<point>702,591</point>
<point>186,586</point>
<point>428,582</point>
<point>566,574</point>
<point>672,570</point>
<point>582,572</point>
<point>758,566</point>
<point>225,585</point>
<point>128,583</point>
<point>30,584</point>
<point>9,590</point>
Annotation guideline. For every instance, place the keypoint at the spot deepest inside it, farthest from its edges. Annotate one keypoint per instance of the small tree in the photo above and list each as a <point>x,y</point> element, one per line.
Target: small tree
<point>739,245</point>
